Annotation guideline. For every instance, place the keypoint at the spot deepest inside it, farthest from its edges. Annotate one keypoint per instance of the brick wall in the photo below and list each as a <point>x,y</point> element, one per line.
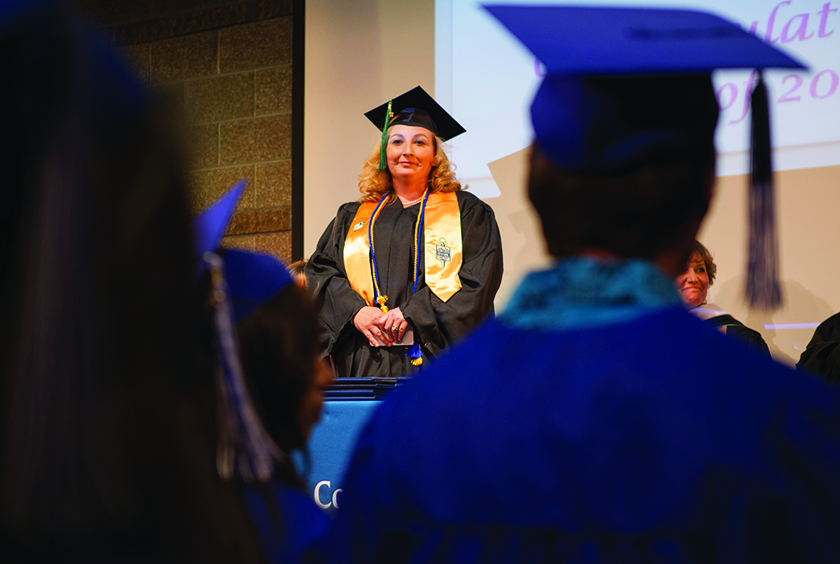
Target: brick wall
<point>227,68</point>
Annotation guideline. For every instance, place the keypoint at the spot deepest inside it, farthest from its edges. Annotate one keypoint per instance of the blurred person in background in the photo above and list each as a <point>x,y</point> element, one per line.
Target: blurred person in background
<point>278,338</point>
<point>259,338</point>
<point>822,355</point>
<point>693,285</point>
<point>100,454</point>
<point>298,271</point>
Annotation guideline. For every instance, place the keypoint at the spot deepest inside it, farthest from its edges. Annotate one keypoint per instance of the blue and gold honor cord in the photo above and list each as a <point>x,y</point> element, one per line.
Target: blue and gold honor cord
<point>414,351</point>
<point>377,294</point>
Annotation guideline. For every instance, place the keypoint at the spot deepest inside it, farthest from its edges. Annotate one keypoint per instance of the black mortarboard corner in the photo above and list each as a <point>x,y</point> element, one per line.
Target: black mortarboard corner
<point>627,86</point>
<point>245,448</point>
<point>416,108</point>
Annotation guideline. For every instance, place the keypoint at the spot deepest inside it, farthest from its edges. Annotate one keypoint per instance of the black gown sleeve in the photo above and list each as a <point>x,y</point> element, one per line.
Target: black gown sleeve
<point>438,325</point>
<point>822,355</point>
<point>751,337</point>
<point>735,328</point>
<point>326,277</point>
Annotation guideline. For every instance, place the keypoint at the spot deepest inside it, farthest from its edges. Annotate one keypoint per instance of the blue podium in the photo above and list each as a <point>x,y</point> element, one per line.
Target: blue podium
<point>349,404</point>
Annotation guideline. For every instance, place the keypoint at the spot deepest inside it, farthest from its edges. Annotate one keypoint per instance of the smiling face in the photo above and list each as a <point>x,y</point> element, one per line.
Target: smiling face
<point>410,152</point>
<point>693,284</point>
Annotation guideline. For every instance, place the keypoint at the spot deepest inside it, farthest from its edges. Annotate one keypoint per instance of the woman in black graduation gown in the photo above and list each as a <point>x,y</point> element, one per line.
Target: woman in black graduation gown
<point>822,355</point>
<point>413,265</point>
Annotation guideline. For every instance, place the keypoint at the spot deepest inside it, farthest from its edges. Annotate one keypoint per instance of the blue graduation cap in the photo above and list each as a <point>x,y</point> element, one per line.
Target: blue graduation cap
<point>629,87</point>
<point>209,226</point>
<point>239,283</point>
<point>253,279</point>
<point>587,41</point>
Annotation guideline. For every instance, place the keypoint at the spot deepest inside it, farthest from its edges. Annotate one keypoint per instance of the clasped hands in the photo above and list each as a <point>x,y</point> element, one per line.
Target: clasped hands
<point>388,327</point>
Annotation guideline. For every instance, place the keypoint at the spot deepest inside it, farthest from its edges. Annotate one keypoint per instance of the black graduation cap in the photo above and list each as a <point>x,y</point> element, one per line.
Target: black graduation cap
<point>415,108</point>
<point>627,86</point>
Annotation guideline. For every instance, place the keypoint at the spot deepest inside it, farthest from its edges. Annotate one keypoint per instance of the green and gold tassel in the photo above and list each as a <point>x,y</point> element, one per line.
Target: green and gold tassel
<point>383,158</point>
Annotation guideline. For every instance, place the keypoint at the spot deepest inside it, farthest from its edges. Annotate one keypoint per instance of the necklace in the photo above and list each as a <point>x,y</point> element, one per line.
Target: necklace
<point>412,202</point>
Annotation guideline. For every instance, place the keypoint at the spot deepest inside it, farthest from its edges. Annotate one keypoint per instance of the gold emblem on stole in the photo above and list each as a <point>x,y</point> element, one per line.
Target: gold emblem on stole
<point>443,253</point>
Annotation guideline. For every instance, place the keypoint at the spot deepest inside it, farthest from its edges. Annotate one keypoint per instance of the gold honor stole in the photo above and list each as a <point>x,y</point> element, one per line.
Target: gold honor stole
<point>443,252</point>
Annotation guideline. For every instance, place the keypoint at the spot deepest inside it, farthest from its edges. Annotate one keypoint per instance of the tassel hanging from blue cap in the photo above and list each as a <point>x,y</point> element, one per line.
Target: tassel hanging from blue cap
<point>763,288</point>
<point>244,447</point>
<point>383,157</point>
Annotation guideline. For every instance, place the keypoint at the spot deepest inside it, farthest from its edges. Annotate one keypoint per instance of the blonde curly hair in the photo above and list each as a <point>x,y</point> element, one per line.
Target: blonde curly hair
<point>374,184</point>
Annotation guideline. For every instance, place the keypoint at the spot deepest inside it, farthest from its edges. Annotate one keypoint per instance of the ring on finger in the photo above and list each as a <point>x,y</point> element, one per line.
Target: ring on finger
<point>394,327</point>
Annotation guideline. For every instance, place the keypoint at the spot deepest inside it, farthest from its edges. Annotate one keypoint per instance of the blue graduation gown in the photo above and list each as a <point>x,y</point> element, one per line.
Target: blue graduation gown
<point>641,436</point>
<point>288,526</point>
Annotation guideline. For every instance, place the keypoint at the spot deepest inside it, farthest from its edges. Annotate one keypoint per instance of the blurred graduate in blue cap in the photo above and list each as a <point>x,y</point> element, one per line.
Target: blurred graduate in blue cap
<point>596,420</point>
<point>261,336</point>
